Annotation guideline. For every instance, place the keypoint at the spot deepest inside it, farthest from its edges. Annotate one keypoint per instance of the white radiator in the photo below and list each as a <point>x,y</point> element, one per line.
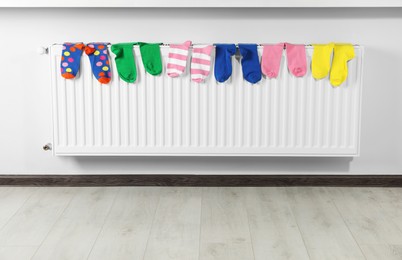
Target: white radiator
<point>159,115</point>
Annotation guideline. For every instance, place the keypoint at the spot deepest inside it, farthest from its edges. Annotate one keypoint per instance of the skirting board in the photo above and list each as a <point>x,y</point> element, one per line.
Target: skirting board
<point>203,180</point>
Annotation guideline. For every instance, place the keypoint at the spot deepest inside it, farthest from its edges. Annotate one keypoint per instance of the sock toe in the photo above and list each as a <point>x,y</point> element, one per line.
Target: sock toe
<point>271,74</point>
<point>254,77</point>
<point>128,79</point>
<point>320,74</point>
<point>173,75</point>
<point>68,75</point>
<point>198,80</point>
<point>221,78</point>
<point>299,72</point>
<point>104,80</point>
<point>336,82</point>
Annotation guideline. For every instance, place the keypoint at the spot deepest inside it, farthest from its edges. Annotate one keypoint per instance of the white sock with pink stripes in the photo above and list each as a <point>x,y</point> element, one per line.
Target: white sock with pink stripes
<point>177,60</point>
<point>201,62</point>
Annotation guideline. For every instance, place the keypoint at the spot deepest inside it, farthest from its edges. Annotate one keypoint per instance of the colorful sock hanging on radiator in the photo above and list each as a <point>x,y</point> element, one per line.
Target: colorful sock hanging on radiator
<point>151,57</point>
<point>177,60</point>
<point>339,70</point>
<point>201,62</point>
<point>271,59</point>
<point>296,57</point>
<point>125,61</point>
<point>71,59</point>
<point>321,61</point>
<point>223,61</point>
<point>250,62</point>
<point>98,56</point>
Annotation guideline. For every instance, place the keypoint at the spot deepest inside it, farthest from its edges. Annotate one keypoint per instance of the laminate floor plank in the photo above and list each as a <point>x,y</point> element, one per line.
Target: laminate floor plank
<point>382,251</point>
<point>32,222</point>
<point>274,231</point>
<point>176,225</point>
<point>17,252</point>
<point>126,230</point>
<point>225,233</point>
<point>11,200</point>
<point>324,231</point>
<point>366,219</point>
<point>74,234</point>
<point>390,201</point>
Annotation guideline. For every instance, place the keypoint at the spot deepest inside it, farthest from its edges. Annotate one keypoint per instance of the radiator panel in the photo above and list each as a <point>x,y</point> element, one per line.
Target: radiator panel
<point>159,115</point>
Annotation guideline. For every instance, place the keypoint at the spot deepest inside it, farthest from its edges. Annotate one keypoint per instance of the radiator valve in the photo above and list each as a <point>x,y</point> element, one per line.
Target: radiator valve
<point>47,147</point>
<point>42,50</point>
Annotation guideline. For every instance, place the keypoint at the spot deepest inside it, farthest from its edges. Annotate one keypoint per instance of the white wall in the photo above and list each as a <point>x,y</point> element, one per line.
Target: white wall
<point>201,3</point>
<point>25,104</point>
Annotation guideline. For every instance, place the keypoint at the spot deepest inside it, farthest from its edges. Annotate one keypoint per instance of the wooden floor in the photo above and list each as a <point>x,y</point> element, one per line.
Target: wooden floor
<point>200,223</point>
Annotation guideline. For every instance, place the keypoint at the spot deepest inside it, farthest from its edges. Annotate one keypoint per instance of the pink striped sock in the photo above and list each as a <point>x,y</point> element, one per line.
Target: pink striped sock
<point>201,62</point>
<point>271,60</point>
<point>177,60</point>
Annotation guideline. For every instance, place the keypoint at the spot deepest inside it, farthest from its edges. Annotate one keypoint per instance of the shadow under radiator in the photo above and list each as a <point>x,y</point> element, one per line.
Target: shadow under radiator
<point>212,165</point>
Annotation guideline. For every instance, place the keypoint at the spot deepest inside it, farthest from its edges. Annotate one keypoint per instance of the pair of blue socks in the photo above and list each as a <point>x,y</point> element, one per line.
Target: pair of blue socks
<point>250,62</point>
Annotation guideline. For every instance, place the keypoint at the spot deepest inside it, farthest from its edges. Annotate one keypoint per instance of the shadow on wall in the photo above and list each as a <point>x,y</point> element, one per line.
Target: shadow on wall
<point>214,13</point>
<point>212,165</point>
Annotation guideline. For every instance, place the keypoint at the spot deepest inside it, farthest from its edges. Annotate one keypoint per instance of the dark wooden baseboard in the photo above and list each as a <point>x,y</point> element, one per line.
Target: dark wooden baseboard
<point>203,180</point>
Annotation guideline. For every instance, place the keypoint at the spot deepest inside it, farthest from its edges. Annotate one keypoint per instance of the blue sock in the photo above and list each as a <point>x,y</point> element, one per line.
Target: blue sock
<point>250,62</point>
<point>98,56</point>
<point>71,59</point>
<point>223,61</point>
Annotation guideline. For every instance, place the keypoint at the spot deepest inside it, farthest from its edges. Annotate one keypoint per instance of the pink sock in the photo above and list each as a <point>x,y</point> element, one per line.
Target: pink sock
<point>297,62</point>
<point>177,60</point>
<point>271,60</point>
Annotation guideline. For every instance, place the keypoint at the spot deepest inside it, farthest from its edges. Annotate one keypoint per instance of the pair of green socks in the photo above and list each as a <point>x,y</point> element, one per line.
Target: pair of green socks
<point>125,62</point>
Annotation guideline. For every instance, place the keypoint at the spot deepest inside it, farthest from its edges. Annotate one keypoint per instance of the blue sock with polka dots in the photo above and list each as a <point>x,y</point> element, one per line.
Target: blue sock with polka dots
<point>99,58</point>
<point>71,59</point>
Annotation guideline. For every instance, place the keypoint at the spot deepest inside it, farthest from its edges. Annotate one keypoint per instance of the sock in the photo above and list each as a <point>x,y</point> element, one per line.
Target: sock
<point>125,61</point>
<point>297,62</point>
<point>321,61</point>
<point>223,61</point>
<point>339,70</point>
<point>271,60</point>
<point>201,62</point>
<point>250,62</point>
<point>151,57</point>
<point>71,59</point>
<point>177,60</point>
<point>98,56</point>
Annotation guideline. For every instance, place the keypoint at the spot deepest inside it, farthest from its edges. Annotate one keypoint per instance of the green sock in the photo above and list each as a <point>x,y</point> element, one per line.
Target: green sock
<point>151,57</point>
<point>125,61</point>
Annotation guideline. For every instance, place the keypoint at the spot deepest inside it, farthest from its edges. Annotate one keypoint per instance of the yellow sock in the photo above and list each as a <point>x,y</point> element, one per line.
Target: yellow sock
<point>321,62</point>
<point>339,70</point>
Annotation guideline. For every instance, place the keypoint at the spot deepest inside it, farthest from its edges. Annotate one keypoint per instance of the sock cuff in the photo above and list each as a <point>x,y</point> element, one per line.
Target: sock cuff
<point>89,50</point>
<point>347,49</point>
<point>331,44</point>
<point>123,45</point>
<point>244,47</point>
<point>204,49</point>
<point>184,46</point>
<point>147,43</point>
<point>229,47</point>
<point>119,48</point>
<point>79,45</point>
<point>291,46</point>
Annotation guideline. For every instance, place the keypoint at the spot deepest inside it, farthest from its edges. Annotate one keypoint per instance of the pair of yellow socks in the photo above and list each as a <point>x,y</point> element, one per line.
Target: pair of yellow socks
<point>321,62</point>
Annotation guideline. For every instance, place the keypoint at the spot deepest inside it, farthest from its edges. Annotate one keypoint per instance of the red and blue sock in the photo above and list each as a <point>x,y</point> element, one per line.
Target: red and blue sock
<point>71,59</point>
<point>99,58</point>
